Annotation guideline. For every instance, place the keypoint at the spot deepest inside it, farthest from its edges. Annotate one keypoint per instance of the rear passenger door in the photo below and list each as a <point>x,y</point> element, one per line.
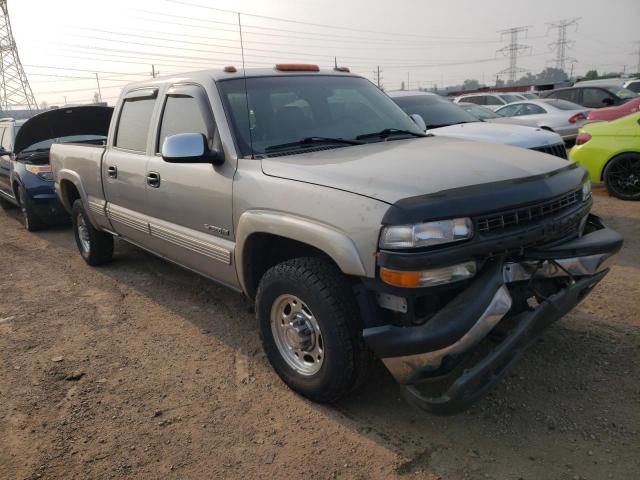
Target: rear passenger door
<point>190,210</point>
<point>124,166</point>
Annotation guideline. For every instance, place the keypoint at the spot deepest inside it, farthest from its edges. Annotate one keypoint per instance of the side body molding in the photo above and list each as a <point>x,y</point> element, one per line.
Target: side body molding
<point>331,241</point>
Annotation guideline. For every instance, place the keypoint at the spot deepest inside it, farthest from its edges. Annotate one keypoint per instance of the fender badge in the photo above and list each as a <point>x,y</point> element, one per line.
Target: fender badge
<point>218,230</point>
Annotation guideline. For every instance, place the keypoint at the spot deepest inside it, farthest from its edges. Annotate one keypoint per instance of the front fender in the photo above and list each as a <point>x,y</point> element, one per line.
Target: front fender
<point>336,244</point>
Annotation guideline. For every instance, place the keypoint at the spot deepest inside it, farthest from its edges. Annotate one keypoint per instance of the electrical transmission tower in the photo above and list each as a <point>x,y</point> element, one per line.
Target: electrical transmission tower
<point>561,44</point>
<point>512,51</point>
<point>15,90</point>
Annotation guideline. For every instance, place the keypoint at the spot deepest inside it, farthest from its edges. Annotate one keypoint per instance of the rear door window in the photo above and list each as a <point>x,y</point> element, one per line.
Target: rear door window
<point>596,97</point>
<point>133,125</point>
<point>478,100</point>
<point>572,95</point>
<point>493,101</point>
<point>532,109</point>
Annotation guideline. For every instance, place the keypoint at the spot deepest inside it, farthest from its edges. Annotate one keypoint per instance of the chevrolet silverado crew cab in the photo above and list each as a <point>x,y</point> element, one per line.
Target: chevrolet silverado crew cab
<point>355,233</point>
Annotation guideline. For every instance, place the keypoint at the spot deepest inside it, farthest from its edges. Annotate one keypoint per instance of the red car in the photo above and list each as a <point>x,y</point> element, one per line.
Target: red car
<point>613,113</point>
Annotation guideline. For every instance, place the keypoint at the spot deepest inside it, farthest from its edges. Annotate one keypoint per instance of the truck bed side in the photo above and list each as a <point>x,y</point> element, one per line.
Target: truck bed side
<point>77,170</point>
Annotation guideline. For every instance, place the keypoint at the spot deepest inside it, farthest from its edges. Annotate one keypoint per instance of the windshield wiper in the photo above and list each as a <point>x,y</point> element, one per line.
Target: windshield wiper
<point>387,132</point>
<point>311,141</point>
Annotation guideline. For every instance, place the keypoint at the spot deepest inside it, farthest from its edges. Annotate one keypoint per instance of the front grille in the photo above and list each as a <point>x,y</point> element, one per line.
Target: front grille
<point>499,221</point>
<point>557,150</point>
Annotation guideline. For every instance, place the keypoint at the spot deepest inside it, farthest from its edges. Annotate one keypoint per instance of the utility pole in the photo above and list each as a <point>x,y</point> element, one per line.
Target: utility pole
<point>561,44</point>
<point>15,90</point>
<point>637,52</point>
<point>99,91</point>
<point>512,51</point>
<point>153,71</point>
<point>335,62</point>
<point>378,78</point>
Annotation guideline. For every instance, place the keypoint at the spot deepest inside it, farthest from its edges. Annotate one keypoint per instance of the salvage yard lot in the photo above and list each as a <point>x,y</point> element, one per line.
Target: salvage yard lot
<point>139,369</point>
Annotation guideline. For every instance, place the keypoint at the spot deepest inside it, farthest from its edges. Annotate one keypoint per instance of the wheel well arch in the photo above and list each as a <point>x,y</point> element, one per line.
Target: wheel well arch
<point>69,193</point>
<point>15,185</point>
<point>261,251</point>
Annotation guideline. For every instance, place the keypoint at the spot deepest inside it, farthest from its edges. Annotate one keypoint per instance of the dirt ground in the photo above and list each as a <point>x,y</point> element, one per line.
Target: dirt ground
<point>139,369</point>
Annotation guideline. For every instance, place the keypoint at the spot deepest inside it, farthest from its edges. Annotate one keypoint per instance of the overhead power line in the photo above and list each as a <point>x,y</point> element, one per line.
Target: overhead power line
<point>323,25</point>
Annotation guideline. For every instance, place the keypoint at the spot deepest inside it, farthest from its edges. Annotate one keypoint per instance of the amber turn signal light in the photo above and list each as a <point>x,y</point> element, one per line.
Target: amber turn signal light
<point>297,67</point>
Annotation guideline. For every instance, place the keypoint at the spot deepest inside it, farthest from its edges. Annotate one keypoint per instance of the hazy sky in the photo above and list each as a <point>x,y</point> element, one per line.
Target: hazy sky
<point>63,43</point>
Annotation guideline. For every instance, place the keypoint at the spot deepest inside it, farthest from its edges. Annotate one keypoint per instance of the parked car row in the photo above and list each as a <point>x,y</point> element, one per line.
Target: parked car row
<point>441,117</point>
<point>26,180</point>
<point>354,232</point>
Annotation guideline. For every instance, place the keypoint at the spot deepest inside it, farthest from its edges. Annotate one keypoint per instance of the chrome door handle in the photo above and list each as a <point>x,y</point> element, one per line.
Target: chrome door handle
<point>153,179</point>
<point>112,171</point>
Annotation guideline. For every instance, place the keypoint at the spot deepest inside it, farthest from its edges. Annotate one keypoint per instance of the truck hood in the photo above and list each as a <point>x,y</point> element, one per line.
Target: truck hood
<point>506,134</point>
<point>63,122</point>
<point>393,170</point>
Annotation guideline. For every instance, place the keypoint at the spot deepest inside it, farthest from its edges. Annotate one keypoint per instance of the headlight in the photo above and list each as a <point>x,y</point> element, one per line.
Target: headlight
<point>426,234</point>
<point>586,190</point>
<point>43,171</point>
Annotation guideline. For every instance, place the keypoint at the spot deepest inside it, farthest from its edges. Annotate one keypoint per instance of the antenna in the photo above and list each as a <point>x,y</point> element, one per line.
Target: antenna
<point>15,90</point>
<point>246,94</point>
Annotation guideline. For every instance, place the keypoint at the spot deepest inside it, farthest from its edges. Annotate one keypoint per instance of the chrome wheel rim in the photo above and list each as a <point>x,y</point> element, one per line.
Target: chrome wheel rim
<point>83,234</point>
<point>297,335</point>
<point>25,216</point>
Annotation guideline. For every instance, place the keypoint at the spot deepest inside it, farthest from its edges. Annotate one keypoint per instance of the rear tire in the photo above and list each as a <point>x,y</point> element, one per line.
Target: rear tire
<point>622,176</point>
<point>310,301</point>
<point>32,221</point>
<point>96,247</point>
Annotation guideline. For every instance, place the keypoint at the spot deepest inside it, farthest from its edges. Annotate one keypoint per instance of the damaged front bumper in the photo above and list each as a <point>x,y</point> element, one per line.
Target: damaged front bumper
<point>457,355</point>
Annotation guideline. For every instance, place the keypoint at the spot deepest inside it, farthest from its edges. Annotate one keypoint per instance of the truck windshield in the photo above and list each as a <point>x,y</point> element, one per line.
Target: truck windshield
<point>287,109</point>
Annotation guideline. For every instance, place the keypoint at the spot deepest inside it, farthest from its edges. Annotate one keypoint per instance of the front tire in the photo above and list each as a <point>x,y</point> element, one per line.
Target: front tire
<point>310,328</point>
<point>32,222</point>
<point>622,177</point>
<point>96,247</point>
<point>6,204</point>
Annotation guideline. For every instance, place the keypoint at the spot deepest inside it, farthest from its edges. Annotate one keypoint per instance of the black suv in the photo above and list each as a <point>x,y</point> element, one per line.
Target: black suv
<point>594,96</point>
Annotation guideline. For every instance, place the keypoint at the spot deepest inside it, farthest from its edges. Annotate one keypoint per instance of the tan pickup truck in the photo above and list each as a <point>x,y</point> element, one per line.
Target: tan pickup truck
<point>356,234</point>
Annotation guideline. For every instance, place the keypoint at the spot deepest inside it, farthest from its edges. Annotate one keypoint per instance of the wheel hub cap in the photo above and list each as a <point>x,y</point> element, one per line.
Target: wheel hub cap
<point>83,234</point>
<point>297,334</point>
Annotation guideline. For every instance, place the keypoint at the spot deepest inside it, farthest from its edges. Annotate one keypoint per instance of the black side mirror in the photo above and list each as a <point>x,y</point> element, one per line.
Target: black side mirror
<point>190,148</point>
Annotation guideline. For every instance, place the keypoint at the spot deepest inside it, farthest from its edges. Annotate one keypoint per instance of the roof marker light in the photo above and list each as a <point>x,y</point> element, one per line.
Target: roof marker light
<point>342,69</point>
<point>297,67</point>
<point>230,69</point>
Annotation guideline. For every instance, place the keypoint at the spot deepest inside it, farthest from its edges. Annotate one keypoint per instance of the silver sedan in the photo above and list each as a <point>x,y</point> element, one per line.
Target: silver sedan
<point>560,116</point>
